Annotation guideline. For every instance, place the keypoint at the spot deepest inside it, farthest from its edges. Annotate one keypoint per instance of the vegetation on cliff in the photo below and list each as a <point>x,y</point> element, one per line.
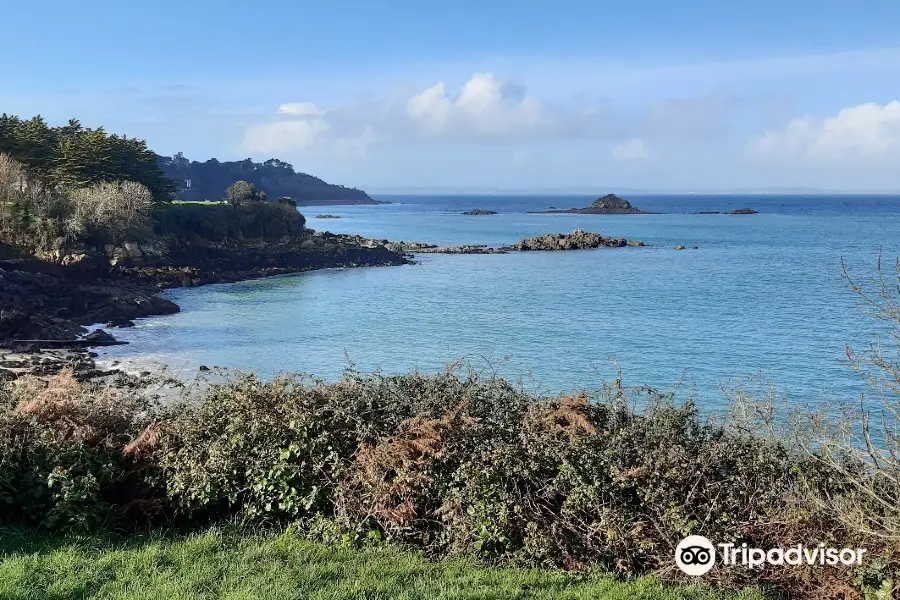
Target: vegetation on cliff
<point>47,220</point>
<point>209,181</point>
<point>223,223</point>
<point>75,156</point>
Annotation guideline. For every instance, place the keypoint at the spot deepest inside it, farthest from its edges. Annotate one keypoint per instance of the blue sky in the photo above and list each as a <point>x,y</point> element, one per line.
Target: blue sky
<point>688,96</point>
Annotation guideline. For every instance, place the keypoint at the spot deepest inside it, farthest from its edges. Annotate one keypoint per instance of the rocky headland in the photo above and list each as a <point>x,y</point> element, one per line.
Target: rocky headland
<point>609,204</point>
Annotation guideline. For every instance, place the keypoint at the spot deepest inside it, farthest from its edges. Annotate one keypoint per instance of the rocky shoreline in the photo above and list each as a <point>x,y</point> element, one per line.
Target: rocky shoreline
<point>46,307</point>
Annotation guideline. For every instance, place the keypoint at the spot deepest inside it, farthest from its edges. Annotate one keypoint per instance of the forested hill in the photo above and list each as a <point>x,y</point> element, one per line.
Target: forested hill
<point>209,180</point>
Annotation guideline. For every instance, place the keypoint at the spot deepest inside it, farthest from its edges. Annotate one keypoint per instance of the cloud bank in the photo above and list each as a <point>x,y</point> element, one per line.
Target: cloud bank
<point>485,110</point>
<point>866,135</point>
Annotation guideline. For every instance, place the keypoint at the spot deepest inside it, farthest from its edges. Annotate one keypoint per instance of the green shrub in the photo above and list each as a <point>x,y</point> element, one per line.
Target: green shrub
<point>65,459</point>
<point>451,464</point>
<point>222,223</point>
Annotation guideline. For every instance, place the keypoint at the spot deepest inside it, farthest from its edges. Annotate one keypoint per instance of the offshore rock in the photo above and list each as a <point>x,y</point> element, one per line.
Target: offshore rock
<point>577,240</point>
<point>609,204</point>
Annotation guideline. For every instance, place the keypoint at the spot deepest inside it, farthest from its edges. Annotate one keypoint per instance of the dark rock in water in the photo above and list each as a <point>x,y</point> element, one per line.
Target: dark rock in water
<point>695,247</point>
<point>577,240</point>
<point>423,248</point>
<point>609,204</point>
<point>478,211</point>
<point>204,368</point>
<point>707,212</point>
<point>121,323</point>
<point>99,337</point>
<point>679,247</point>
<point>636,243</point>
<point>327,216</point>
<point>744,211</point>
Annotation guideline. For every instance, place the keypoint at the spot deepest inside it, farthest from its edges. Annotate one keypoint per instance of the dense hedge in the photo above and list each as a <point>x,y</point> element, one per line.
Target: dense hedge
<point>210,222</point>
<point>451,464</point>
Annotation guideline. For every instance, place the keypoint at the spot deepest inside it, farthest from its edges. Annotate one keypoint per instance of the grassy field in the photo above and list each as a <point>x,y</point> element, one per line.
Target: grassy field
<point>219,565</point>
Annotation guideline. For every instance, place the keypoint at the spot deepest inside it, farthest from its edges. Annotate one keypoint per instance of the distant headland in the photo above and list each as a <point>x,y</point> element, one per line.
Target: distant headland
<point>209,180</point>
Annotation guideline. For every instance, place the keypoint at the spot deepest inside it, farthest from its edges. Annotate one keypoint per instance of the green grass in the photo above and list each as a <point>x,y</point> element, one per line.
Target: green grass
<point>219,565</point>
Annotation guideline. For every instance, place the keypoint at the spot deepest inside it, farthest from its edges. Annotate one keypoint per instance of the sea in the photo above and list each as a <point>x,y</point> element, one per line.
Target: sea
<point>762,304</point>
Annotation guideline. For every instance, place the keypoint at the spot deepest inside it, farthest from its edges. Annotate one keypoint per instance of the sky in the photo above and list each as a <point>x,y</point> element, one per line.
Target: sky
<point>697,95</point>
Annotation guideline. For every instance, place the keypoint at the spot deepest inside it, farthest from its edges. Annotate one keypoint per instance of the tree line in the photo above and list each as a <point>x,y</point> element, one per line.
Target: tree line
<point>74,156</point>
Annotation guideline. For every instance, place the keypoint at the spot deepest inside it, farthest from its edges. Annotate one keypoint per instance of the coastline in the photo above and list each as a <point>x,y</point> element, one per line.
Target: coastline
<point>50,308</point>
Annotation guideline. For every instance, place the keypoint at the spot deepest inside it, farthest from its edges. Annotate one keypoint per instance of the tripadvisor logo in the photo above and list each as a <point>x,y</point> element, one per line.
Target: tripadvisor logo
<point>696,555</point>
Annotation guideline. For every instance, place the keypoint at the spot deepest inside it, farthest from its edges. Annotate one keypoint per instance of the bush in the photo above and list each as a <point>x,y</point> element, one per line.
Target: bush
<point>451,464</point>
<point>65,459</point>
<point>221,223</point>
<point>106,212</point>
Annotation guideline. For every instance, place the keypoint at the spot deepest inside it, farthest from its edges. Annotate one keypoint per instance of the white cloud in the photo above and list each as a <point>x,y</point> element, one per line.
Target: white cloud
<point>299,109</point>
<point>284,136</point>
<point>630,151</point>
<point>867,133</point>
<point>485,107</point>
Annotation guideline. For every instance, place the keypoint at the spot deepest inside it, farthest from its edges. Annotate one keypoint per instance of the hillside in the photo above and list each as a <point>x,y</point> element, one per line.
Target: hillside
<point>209,180</point>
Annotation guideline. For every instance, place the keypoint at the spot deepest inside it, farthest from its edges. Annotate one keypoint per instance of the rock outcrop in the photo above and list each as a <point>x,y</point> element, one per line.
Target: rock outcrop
<point>479,212</point>
<point>609,204</point>
<point>739,211</point>
<point>577,240</point>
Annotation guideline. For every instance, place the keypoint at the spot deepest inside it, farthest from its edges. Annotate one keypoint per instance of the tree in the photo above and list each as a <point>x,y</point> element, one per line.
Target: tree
<point>240,192</point>
<point>72,155</point>
<point>108,211</point>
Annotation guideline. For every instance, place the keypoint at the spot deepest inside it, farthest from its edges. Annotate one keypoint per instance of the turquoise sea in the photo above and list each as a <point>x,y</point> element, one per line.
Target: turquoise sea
<point>761,298</point>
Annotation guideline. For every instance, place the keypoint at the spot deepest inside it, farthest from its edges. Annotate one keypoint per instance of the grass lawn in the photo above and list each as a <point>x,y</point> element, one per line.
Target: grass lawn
<point>219,565</point>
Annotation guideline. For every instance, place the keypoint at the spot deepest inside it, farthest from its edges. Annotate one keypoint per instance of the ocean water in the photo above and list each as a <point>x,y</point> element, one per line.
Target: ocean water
<point>762,299</point>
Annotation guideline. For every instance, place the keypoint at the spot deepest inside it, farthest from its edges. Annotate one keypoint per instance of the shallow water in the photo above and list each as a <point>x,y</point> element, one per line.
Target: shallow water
<point>762,297</point>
